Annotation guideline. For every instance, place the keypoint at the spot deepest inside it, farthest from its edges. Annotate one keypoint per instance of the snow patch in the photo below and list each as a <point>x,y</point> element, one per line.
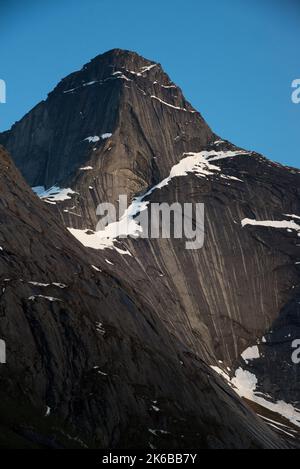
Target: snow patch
<point>213,155</point>
<point>168,86</point>
<point>109,262</point>
<point>123,252</point>
<point>279,426</point>
<point>54,194</point>
<point>93,139</point>
<point>297,217</point>
<point>158,432</point>
<point>196,163</point>
<point>59,285</point>
<point>55,284</point>
<point>100,328</point>
<point>71,90</point>
<point>49,298</point>
<point>147,68</point>
<point>251,353</point>
<point>96,138</point>
<point>90,83</point>
<point>105,136</point>
<point>171,105</point>
<point>244,384</point>
<point>282,224</point>
<point>38,284</point>
<point>155,408</point>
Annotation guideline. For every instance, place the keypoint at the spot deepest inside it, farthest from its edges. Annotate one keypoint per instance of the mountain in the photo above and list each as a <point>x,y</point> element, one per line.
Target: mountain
<point>110,116</point>
<point>88,364</point>
<point>120,126</point>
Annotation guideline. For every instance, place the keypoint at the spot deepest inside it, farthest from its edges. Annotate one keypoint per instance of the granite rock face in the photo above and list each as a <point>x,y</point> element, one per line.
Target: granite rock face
<point>109,116</point>
<point>88,363</point>
<point>121,126</point>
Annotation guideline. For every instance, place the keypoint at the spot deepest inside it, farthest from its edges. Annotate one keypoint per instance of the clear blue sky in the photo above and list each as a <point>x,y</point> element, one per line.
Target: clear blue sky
<point>234,59</point>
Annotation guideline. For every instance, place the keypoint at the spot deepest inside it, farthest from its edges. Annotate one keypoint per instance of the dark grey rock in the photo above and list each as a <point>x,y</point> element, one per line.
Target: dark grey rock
<point>209,304</point>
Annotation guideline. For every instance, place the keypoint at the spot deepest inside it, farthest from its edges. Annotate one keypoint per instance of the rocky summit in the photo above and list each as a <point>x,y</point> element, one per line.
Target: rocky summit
<point>116,339</point>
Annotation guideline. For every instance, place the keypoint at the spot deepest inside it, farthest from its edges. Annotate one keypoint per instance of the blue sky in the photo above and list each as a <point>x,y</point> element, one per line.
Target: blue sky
<point>234,59</point>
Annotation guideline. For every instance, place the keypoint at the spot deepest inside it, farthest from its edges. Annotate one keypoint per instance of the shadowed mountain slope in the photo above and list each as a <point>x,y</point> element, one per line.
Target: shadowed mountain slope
<point>120,126</point>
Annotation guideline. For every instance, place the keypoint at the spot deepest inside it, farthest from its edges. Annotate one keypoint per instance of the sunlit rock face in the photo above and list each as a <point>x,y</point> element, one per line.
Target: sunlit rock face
<point>89,363</point>
<point>120,126</point>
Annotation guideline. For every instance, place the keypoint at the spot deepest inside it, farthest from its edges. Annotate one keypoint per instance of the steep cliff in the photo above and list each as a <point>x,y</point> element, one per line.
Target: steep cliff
<point>88,364</point>
<point>121,126</point>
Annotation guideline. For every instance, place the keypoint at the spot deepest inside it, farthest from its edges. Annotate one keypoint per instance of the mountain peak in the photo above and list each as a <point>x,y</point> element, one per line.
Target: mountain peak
<point>116,93</point>
<point>123,54</point>
<point>118,64</point>
<point>107,66</point>
<point>120,127</point>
